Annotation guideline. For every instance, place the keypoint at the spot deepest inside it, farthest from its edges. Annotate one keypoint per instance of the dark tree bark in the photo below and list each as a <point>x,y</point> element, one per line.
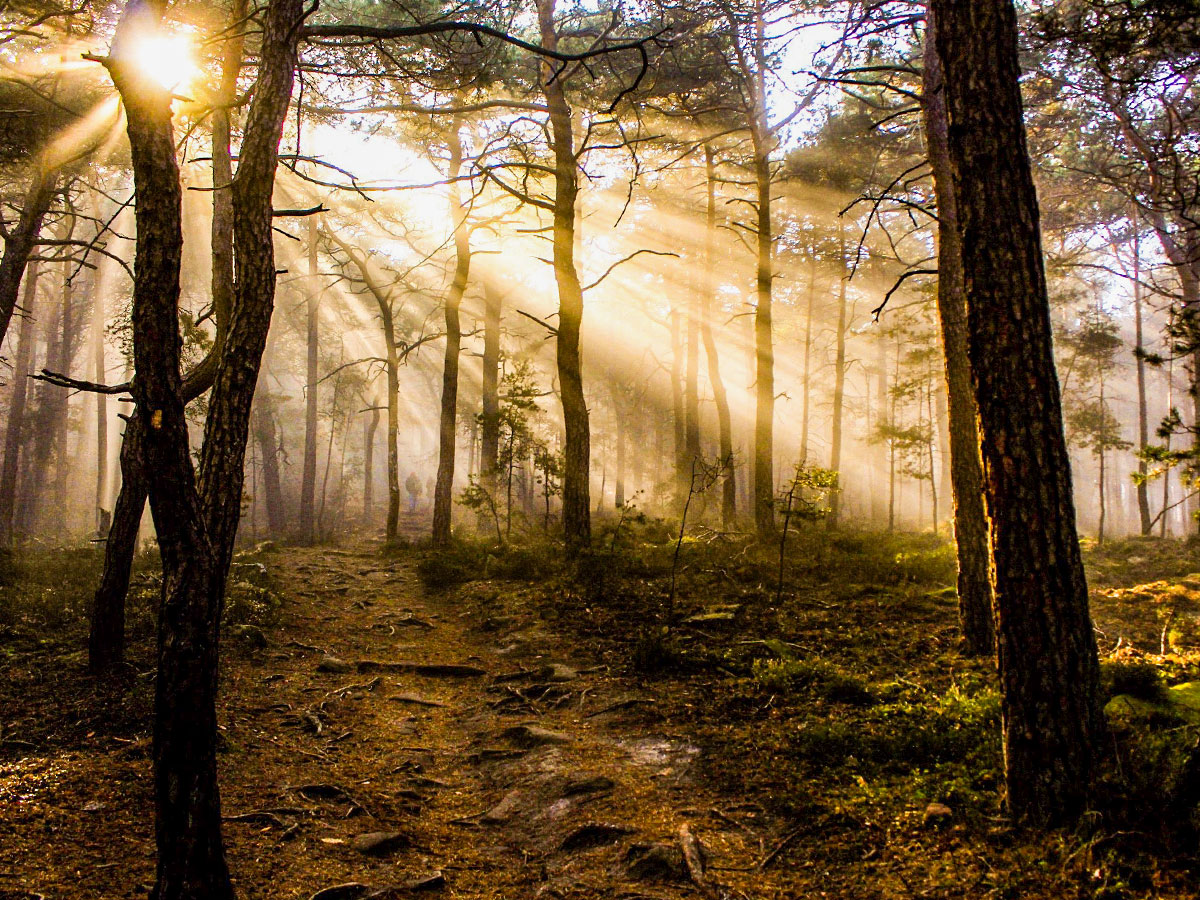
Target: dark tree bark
<point>22,368</point>
<point>106,639</point>
<point>443,490</point>
<point>576,505</point>
<point>966,475</point>
<point>764,352</point>
<point>21,240</point>
<point>1052,722</point>
<point>712,358</point>
<point>191,859</point>
<point>196,520</point>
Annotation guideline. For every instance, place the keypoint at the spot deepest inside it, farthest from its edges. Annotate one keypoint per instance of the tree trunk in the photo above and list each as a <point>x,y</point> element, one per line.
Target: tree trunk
<point>683,465</point>
<point>576,507</point>
<point>369,429</point>
<point>720,398</point>
<point>20,242</point>
<point>764,355</point>
<point>267,439</point>
<point>1049,673</point>
<point>443,491</point>
<point>975,614</point>
<point>489,451</point>
<point>106,639</point>
<point>839,381</point>
<point>191,860</point>
<point>99,374</point>
<point>16,411</point>
<point>106,636</point>
<point>308,477</point>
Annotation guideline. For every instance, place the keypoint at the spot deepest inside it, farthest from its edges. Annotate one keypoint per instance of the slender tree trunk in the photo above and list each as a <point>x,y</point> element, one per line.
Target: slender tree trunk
<point>764,354</point>
<point>370,428</point>
<point>20,241</point>
<point>489,450</point>
<point>839,381</point>
<point>576,506</point>
<point>99,374</point>
<point>22,368</point>
<point>1049,672</point>
<point>691,380</point>
<point>268,449</point>
<point>1143,489</point>
<point>106,637</point>
<point>619,498</point>
<point>443,492</point>
<point>808,323</point>
<point>966,475</point>
<point>308,477</point>
<point>720,397</point>
<point>683,466</point>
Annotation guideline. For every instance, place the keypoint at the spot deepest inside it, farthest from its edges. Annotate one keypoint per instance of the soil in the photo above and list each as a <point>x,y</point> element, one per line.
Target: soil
<point>380,738</point>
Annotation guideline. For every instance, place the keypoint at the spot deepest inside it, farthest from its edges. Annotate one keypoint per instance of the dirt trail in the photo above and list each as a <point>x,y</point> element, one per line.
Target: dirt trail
<point>493,757</point>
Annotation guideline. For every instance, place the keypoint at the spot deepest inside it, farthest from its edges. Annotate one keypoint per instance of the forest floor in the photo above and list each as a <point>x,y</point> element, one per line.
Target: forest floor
<point>497,725</point>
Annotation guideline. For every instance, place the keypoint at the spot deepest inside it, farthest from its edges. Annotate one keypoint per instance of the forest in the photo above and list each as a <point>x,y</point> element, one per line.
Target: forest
<point>571,449</point>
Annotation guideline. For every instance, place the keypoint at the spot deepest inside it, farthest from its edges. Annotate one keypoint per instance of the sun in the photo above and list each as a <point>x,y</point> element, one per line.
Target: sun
<point>167,59</point>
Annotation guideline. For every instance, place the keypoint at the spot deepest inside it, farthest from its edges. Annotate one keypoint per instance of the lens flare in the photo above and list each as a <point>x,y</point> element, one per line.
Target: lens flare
<point>167,59</point>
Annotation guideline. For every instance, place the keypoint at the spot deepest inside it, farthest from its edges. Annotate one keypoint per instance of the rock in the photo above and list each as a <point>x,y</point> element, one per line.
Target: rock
<point>654,862</point>
<point>529,736</point>
<point>417,700</point>
<point>719,616</point>
<point>334,665</point>
<point>504,810</point>
<point>559,672</point>
<point>380,843</point>
<point>351,890</point>
<point>937,814</point>
<point>594,834</point>
<point>432,882</point>
<point>597,784</point>
<point>250,634</point>
<point>1180,702</point>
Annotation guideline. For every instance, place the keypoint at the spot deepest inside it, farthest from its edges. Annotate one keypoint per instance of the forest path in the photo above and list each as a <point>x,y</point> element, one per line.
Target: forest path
<point>386,739</point>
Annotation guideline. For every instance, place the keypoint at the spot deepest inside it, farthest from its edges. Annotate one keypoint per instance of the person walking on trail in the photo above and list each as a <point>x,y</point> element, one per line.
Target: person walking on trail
<point>412,484</point>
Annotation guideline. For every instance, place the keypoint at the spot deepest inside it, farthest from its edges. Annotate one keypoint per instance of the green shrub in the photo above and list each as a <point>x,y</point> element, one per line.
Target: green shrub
<point>1137,678</point>
<point>820,677</point>
<point>455,565</point>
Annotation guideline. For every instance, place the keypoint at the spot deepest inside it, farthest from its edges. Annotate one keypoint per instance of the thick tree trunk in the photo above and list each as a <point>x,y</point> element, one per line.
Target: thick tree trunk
<point>1049,673</point>
<point>576,506</point>
<point>191,861</point>
<point>966,475</point>
<point>713,360</point>
<point>443,491</point>
<point>106,638</point>
<point>22,368</point>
